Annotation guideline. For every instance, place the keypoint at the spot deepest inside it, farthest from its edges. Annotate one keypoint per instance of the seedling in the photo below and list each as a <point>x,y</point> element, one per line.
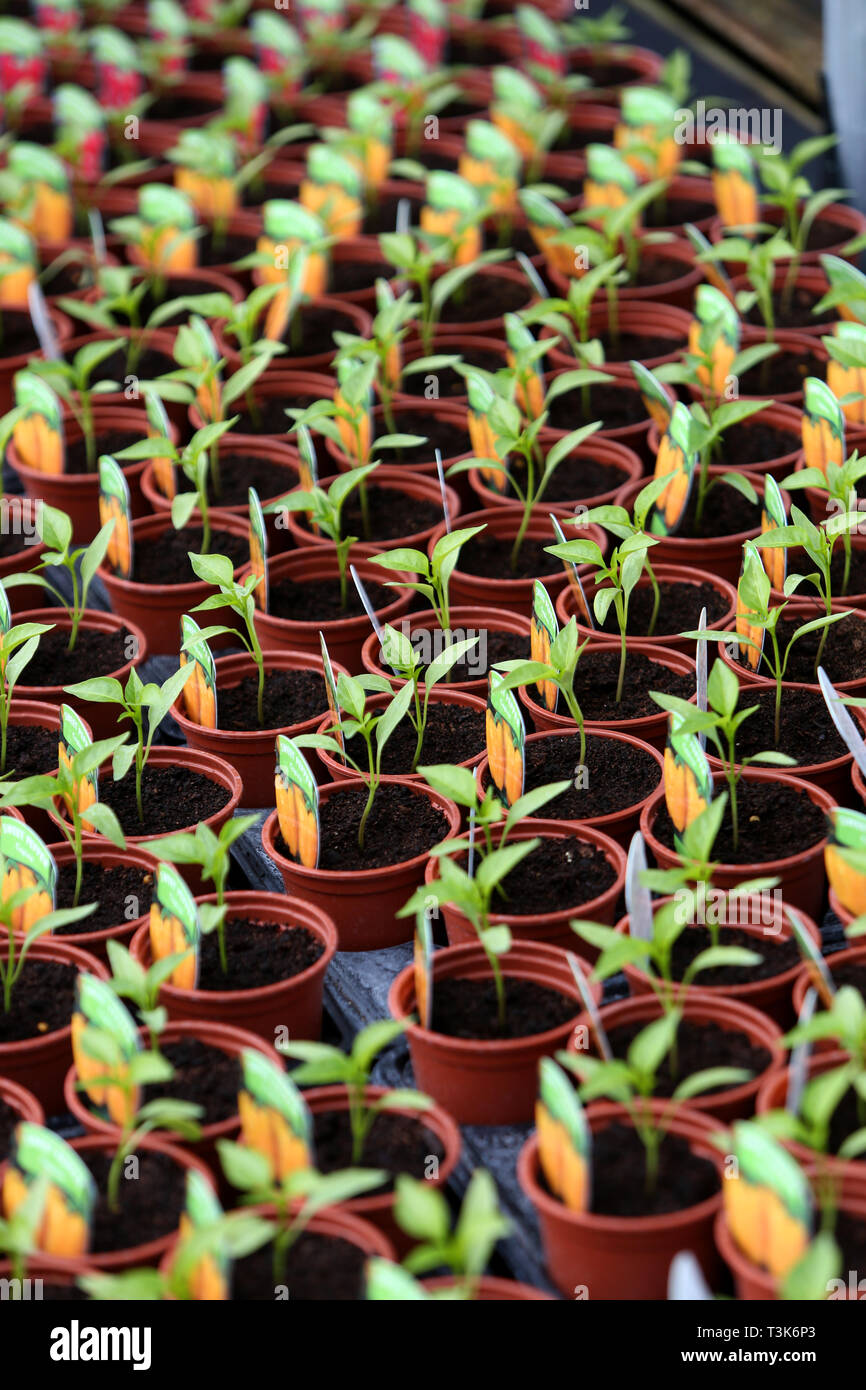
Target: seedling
<point>619,523</point>
<point>839,486</point>
<point>238,598</point>
<point>17,647</point>
<point>80,564</point>
<point>420,265</point>
<point>73,382</point>
<point>130,980</point>
<point>405,662</point>
<point>822,1094</point>
<point>759,260</point>
<point>391,324</point>
<point>433,571</point>
<point>198,461</point>
<point>18,946</point>
<point>463,1247</point>
<point>560,668</point>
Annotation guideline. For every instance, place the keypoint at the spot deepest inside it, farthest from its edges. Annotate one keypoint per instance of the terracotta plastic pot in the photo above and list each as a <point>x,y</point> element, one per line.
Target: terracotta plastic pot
<point>294,1004</point>
<point>620,1257</point>
<point>251,751</point>
<point>620,825</point>
<point>772,995</point>
<point>156,136</point>
<point>804,609</point>
<point>640,64</point>
<point>156,609</point>
<point>10,365</point>
<point>804,975</point>
<point>378,1208</point>
<point>634,316</point>
<point>40,1063</point>
<point>802,348</point>
<point>494,1290</point>
<point>514,595</point>
<point>363,903</point>
<point>157,340</point>
<point>359,322</point>
<point>466,623</point>
<point>490,1082</point>
<point>622,464</point>
<point>633,436</point>
<point>337,772</point>
<point>101,718</point>
<point>290,387</point>
<point>110,857</point>
<point>772,1096</point>
<point>650,728</point>
<point>46,1269</point>
<point>801,875</point>
<point>550,927</point>
<point>566,608</point>
<point>699,1006</point>
<point>782,417</point>
<point>344,636</point>
<point>849,220</point>
<point>23,596</point>
<point>678,291</point>
<point>396,483</point>
<point>491,327</point>
<point>810,280</point>
<point>755,1283</point>
<point>22,1101</point>
<point>449,343</point>
<point>820,508</point>
<point>422,412</point>
<point>39,714</point>
<point>685,188</point>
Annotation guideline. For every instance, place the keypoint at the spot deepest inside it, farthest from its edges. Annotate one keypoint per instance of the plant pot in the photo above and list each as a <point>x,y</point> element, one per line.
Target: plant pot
<point>472,348</point>
<point>783,418</point>
<point>620,1257</point>
<point>751,1281</point>
<point>301,388</point>
<point>566,608</point>
<point>335,771</point>
<point>620,464</point>
<point>619,824</point>
<point>44,716</point>
<point>344,636</point>
<point>772,1096</point>
<point>804,977</point>
<point>681,189</point>
<point>108,856</point>
<point>807,357</point>
<point>294,1004</point>
<point>685,276</point>
<point>48,1270</point>
<point>801,875</point>
<point>494,1290</point>
<point>21,1101</point>
<point>40,1063</point>
<point>634,66</point>
<point>100,717</point>
<point>396,483</point>
<point>550,927</point>
<point>378,1208</point>
<point>363,903</point>
<point>485,1082</point>
<point>514,595</point>
<point>664,323</point>
<point>700,1007</point>
<point>514,284</point>
<point>18,361</point>
<point>632,435</point>
<point>23,596</point>
<point>156,609</point>
<point>355,320</point>
<point>251,751</point>
<point>772,995</point>
<point>809,285</point>
<point>466,623</point>
<point>804,609</point>
<point>155,136</point>
<point>650,728</point>
<point>849,221</point>
<point>158,341</point>
<point>421,411</point>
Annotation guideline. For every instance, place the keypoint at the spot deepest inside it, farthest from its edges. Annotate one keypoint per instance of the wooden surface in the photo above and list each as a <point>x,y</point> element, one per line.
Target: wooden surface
<point>781,36</point>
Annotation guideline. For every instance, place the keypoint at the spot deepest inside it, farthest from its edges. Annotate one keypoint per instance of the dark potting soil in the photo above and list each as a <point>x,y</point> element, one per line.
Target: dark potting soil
<point>257,953</point>
<point>239,472</point>
<point>171,796</point>
<point>849,973</point>
<point>178,106</point>
<point>843,657</point>
<point>469,1009</point>
<point>726,513</point>
<point>392,515</point>
<point>660,270</point>
<point>270,416</point>
<point>805,733</point>
<point>450,383</point>
<point>577,137</point>
<point>150,1202</point>
<point>312,331</point>
<point>602,73</point>
<point>450,438</point>
<point>615,406</point>
<point>149,364</point>
<point>42,1000</point>
<point>382,217</point>
<point>203,1075</point>
<point>617,775</point>
<point>684,1178</point>
<point>290,697</point>
<point>453,733</point>
<point>489,555</point>
<point>62,1293</point>
<point>850,1233</point>
<point>122,893</point>
<point>628,347</point>
<point>106,442</point>
<point>777,956</point>
<point>401,825</point>
<point>784,372</point>
<point>775,822</point>
<point>13,542</point>
<point>317,1269</point>
<point>699,1047</point>
<point>320,600</point>
<point>347,277</point>
<point>164,559</point>
<point>756,441</point>
<point>95,654</point>
<point>493,646</point>
<point>577,479</point>
<point>847,1119</point>
<point>794,310</point>
<point>396,1143</point>
<point>17,334</point>
<point>29,749</point>
<point>486,297</point>
<point>680,607</point>
<point>597,677</point>
<point>676,212</point>
<point>562,872</point>
<point>224,249</point>
<point>9,1118</point>
<point>799,564</point>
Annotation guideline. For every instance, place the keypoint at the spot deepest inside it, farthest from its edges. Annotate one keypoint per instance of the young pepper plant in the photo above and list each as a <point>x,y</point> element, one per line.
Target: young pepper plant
<point>405,662</point>
<point>17,946</point>
<point>79,564</point>
<point>240,599</point>
<point>325,509</point>
<point>560,668</point>
<point>17,648</point>
<point>197,460</point>
<point>433,571</point>
<point>73,383</point>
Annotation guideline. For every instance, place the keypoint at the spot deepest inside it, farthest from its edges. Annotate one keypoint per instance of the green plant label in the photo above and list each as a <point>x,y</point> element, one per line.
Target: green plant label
<point>817,965</point>
<point>16,245</point>
<point>105,1078</point>
<point>158,427</point>
<point>275,1120</point>
<point>39,1155</point>
<point>688,780</point>
<point>331,693</point>
<point>327,167</point>
<point>773,516</point>
<point>845,858</point>
<point>564,1139</point>
<point>717,317</point>
<point>655,395</point>
<point>767,1199</point>
<point>648,106</point>
<point>423,967</point>
<point>287,221</point>
<point>750,607</point>
<point>115,506</point>
<point>676,460</point>
<point>207,1274</point>
<point>76,114</point>
<point>543,630</point>
<point>848,285</point>
<point>160,205</point>
<point>297,803</point>
<point>258,551</point>
<point>607,168</point>
<point>38,435</point>
<point>309,464</point>
<point>28,869</point>
<point>5,612</point>
<point>73,738</point>
<point>175,927</point>
<point>823,425</point>
<point>714,270</point>
<point>506,740</point>
<point>200,691</point>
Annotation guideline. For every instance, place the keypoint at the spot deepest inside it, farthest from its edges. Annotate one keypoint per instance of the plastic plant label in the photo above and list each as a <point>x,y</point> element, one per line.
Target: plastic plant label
<point>768,1202</point>
<point>655,395</point>
<point>159,427</point>
<point>773,516</point>
<point>714,270</point>
<point>845,858</point>
<point>585,613</point>
<point>73,738</point>
<point>174,926</point>
<point>818,968</point>
<point>735,184</point>
<point>18,264</point>
<point>564,1140</point>
<point>208,1276</point>
<point>845,726</point>
<point>610,180</point>
<point>823,425</point>
<point>114,505</point>
<point>753,633</point>
<point>714,337</point>
<point>688,781</point>
<point>98,1007</point>
<point>200,691</point>
<point>258,551</point>
<point>308,467</point>
<point>677,461</point>
<point>43,325</point>
<point>506,740</point>
<point>482,397</point>
<point>638,898</point>
<point>297,803</point>
<point>67,1217</point>
<point>28,864</point>
<point>423,968</point>
<point>5,611</point>
<point>331,693</point>
<point>543,629</point>
<point>38,435</point>
<point>529,392</point>
<point>275,1120</point>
